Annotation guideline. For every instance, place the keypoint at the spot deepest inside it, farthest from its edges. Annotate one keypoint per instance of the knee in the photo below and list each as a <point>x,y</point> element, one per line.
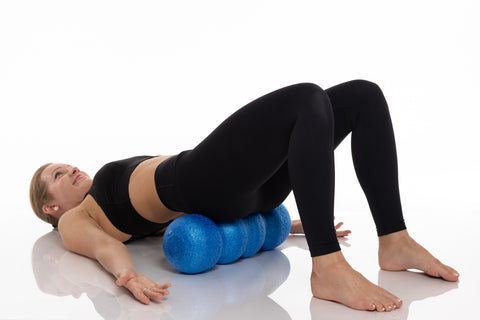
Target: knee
<point>366,90</point>
<point>367,95</point>
<point>310,92</point>
<point>313,101</point>
<point>366,85</point>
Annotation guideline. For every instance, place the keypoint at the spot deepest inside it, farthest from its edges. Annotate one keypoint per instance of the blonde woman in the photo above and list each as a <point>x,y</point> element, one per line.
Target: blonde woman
<point>281,142</point>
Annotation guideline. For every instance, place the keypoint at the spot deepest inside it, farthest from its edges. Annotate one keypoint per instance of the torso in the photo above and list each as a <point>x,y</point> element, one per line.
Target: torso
<point>144,198</point>
<point>143,192</point>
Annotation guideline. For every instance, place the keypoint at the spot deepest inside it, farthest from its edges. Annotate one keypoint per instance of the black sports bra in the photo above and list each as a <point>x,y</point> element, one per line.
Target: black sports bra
<point>110,191</point>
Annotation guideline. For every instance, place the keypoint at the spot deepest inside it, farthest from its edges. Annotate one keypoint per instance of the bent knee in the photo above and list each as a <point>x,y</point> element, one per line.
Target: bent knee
<point>366,89</point>
<point>307,91</point>
<point>366,84</point>
<point>312,99</point>
<point>367,95</point>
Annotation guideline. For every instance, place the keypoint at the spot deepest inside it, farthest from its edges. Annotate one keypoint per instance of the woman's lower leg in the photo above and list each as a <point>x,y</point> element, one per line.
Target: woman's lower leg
<point>359,108</point>
<point>375,160</point>
<point>373,150</point>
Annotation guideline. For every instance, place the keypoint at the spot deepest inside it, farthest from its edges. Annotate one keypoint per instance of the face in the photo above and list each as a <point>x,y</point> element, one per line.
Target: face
<point>67,185</point>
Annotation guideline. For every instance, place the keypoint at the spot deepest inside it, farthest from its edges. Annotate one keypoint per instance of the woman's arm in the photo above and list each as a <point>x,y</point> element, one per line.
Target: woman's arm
<point>82,235</point>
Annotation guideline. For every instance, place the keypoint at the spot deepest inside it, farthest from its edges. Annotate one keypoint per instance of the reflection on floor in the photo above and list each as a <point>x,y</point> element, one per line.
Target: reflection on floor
<point>411,286</point>
<point>237,291</point>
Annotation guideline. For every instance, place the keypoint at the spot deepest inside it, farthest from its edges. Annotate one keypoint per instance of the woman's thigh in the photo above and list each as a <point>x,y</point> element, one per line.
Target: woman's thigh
<point>242,166</point>
<point>228,168</point>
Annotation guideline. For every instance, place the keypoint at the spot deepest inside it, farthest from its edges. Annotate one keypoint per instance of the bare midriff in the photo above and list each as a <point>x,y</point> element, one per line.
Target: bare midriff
<point>143,192</point>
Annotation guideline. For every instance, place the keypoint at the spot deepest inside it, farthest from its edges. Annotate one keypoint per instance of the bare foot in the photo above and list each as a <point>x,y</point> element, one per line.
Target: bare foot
<point>398,251</point>
<point>334,279</point>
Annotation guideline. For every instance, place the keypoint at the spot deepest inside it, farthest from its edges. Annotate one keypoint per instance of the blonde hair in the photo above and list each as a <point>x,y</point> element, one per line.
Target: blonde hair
<point>39,196</point>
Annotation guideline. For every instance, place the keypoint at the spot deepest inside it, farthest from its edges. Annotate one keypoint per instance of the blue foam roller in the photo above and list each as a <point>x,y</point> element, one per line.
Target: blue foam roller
<point>192,243</point>
<point>278,224</point>
<point>255,225</point>
<point>234,239</point>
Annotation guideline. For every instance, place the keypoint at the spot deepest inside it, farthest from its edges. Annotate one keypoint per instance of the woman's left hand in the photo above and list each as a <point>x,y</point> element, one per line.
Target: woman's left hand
<point>298,228</point>
<point>341,233</point>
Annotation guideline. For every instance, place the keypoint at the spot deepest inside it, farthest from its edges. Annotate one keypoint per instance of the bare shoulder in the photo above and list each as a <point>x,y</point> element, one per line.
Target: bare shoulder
<point>82,234</point>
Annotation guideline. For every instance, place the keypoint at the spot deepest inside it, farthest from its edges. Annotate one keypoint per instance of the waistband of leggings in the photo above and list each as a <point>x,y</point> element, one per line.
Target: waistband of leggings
<point>167,186</point>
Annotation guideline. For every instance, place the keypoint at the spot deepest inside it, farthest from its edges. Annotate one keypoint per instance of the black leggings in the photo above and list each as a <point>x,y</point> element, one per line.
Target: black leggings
<point>285,141</point>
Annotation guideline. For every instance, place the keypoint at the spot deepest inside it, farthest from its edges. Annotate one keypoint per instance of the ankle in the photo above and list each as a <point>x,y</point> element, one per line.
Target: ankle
<point>322,262</point>
<point>395,238</point>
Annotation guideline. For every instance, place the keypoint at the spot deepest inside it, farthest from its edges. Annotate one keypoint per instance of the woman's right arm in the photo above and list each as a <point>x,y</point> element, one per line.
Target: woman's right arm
<point>83,235</point>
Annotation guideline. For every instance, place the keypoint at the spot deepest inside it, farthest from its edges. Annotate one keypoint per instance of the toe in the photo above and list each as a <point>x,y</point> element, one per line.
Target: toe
<point>370,306</point>
<point>449,274</point>
<point>379,307</point>
<point>389,301</point>
<point>438,269</point>
<point>398,303</point>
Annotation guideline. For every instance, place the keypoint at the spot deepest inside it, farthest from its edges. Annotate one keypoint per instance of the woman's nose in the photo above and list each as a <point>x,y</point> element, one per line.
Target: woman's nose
<point>75,170</point>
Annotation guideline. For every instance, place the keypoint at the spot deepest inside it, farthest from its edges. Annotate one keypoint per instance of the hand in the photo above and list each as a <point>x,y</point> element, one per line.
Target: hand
<point>142,288</point>
<point>298,228</point>
<point>341,233</point>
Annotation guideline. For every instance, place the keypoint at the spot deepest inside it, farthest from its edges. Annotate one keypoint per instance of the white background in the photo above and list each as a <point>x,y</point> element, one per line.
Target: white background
<point>88,82</point>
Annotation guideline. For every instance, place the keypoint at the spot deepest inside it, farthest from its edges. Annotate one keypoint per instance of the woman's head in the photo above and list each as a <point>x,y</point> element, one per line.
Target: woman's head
<point>56,188</point>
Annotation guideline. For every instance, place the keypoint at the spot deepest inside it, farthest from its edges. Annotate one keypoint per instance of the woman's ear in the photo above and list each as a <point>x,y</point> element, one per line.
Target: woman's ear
<point>50,209</point>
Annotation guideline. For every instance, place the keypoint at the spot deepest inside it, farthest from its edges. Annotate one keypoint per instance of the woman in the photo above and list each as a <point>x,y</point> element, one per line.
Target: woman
<point>280,142</point>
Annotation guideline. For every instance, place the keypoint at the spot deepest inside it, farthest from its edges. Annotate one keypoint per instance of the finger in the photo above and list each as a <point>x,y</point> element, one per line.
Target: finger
<point>163,286</point>
<point>343,233</point>
<point>152,294</point>
<point>338,225</point>
<point>161,291</point>
<point>139,294</point>
<point>166,293</point>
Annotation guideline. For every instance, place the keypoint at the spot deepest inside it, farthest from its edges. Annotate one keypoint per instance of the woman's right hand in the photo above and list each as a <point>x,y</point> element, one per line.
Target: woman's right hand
<point>142,288</point>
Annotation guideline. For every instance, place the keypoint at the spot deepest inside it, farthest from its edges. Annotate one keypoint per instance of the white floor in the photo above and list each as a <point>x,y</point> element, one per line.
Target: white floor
<point>52,283</point>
